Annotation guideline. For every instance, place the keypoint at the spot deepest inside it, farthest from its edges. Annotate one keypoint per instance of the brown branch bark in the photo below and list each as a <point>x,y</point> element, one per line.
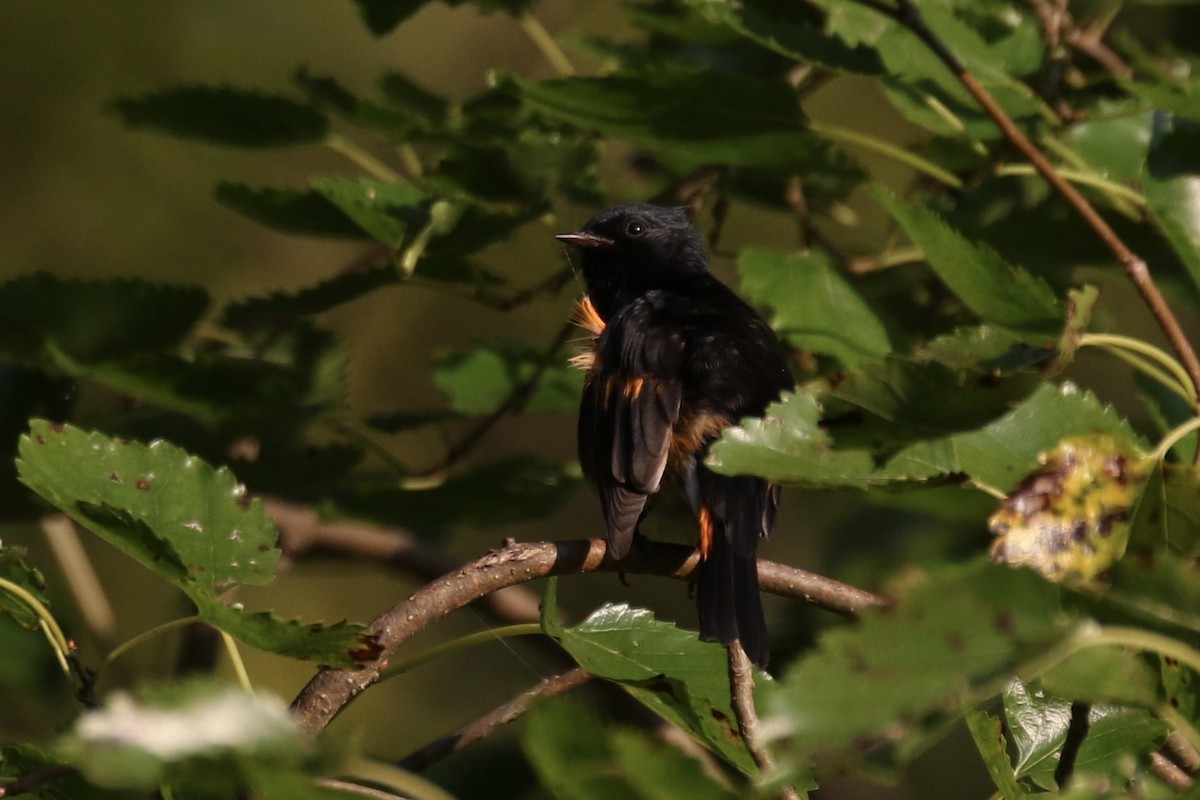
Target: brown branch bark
<point>331,689</point>
<point>484,726</point>
<point>1169,772</point>
<point>741,689</point>
<point>1136,269</point>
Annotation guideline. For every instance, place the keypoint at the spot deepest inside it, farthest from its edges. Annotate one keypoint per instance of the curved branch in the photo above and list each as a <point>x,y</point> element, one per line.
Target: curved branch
<point>420,760</point>
<point>518,562</point>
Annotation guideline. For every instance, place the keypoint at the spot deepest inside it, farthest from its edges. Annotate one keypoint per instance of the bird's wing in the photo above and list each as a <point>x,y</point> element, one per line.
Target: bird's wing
<point>630,405</point>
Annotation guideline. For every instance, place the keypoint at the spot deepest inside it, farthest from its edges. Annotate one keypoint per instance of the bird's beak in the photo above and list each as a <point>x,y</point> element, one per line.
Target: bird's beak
<point>585,239</point>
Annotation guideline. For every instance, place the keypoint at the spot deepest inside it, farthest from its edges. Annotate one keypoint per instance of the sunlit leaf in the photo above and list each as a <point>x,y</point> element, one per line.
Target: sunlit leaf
<point>815,306</point>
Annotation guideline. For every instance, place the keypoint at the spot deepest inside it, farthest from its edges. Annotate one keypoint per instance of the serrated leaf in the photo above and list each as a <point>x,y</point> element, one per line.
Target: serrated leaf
<point>189,523</point>
<point>322,297</point>
<point>988,733</point>
<point>689,118</point>
<point>385,209</point>
<point>894,681</point>
<point>995,290</point>
<point>1037,723</point>
<point>94,320</point>
<point>669,669</point>
<point>1002,452</point>
<point>225,115</point>
<point>815,306</point>
<point>787,445</point>
<point>480,380</point>
<point>342,645</point>
<point>1171,183</point>
<point>579,758</point>
<point>513,490</point>
<point>328,94</point>
<point>789,38</point>
<point>304,213</point>
<point>1117,748</point>
<point>203,515</point>
<point>14,570</point>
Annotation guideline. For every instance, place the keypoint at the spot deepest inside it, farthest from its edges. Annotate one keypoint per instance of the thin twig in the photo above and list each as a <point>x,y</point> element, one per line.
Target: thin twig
<point>741,689</point>
<point>907,14</point>
<point>515,402</point>
<point>519,562</point>
<point>486,725</point>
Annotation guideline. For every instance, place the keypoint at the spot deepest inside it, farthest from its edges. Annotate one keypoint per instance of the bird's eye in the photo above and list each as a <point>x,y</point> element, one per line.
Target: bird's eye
<point>634,229</point>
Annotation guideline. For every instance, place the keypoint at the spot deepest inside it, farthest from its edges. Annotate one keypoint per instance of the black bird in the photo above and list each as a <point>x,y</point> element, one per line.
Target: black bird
<point>676,357</point>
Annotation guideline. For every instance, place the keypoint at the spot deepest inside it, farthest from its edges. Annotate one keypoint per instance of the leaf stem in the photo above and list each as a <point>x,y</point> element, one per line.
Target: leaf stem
<point>1173,438</point>
<point>143,637</point>
<point>49,625</point>
<point>461,643</point>
<point>235,658</point>
<point>547,44</point>
<point>1179,382</point>
<point>1114,189</point>
<point>886,149</point>
<point>364,160</point>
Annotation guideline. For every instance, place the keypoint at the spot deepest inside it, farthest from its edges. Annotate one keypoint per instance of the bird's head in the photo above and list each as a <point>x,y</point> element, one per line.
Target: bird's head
<point>633,248</point>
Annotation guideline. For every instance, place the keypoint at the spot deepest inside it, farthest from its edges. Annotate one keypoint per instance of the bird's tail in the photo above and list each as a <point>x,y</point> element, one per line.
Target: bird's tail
<point>727,598</point>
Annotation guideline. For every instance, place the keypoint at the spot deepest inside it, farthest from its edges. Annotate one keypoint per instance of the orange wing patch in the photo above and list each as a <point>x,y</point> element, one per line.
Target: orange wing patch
<point>706,532</point>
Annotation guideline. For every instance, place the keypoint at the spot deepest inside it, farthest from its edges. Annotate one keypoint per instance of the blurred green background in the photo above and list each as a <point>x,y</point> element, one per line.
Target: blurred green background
<point>85,197</point>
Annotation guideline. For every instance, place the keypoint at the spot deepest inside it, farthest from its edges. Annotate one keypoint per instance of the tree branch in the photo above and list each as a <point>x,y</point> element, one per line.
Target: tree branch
<point>484,726</point>
<point>741,689</point>
<point>907,14</point>
<point>34,780</point>
<point>331,689</point>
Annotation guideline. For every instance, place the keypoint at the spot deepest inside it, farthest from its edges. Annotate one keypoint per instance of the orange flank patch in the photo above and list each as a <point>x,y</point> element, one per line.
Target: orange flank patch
<point>706,532</point>
<point>634,388</point>
<point>585,316</point>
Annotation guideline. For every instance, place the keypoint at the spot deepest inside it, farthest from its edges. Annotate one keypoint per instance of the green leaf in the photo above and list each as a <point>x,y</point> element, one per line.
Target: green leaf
<point>20,760</point>
<point>404,94</point>
<point>225,115</point>
<point>328,94</point>
<point>386,210</point>
<point>1164,98</point>
<point>1115,145</point>
<point>1118,746</point>
<point>203,515</point>
<point>1104,674</point>
<point>670,670</point>
<point>988,733</point>
<point>290,211</point>
<point>326,295</point>
<point>815,306</point>
<point>1171,182</point>
<point>94,320</point>
<point>1037,723</point>
<point>580,758</point>
<point>995,290</point>
<point>689,118</point>
<point>202,731</point>
<point>479,381</point>
<point>1004,451</point>
<point>894,681</point>
<point>340,644</point>
<point>789,38</point>
<point>187,522</point>
<point>787,445</point>
<point>513,490</point>
<point>14,570</point>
